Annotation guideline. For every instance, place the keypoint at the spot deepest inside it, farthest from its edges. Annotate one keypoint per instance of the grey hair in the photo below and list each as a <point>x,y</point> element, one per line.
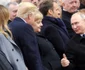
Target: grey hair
<point>13,3</point>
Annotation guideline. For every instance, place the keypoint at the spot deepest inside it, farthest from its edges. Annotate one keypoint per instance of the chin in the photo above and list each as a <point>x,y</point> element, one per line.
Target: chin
<point>73,11</point>
<point>78,33</point>
<point>38,31</point>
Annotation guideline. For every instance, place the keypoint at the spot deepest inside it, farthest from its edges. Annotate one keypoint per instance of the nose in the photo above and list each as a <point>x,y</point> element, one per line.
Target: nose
<point>41,24</point>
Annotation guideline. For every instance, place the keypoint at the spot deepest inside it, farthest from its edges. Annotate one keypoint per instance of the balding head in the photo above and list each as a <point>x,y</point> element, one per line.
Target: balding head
<point>78,21</point>
<point>71,6</point>
<point>80,14</point>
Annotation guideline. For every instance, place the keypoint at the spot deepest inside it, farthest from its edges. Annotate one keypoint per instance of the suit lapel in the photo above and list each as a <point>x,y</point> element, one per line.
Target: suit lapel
<point>14,44</point>
<point>11,41</point>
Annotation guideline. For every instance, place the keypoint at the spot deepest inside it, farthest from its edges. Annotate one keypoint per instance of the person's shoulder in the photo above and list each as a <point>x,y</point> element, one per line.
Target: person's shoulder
<point>1,35</point>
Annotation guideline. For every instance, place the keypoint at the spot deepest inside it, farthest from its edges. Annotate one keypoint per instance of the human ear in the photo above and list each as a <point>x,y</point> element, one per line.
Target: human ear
<point>50,12</point>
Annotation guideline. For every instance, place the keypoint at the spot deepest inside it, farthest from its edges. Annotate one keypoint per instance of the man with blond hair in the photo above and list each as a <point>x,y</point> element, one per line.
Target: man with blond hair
<point>23,33</point>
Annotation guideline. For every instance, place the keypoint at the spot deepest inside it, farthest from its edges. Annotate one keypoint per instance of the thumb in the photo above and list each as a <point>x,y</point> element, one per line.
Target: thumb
<point>64,56</point>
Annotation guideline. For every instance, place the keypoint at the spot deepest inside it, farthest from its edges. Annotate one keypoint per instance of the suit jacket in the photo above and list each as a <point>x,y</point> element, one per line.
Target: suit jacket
<point>25,38</point>
<point>54,30</point>
<point>49,56</point>
<point>12,53</point>
<point>76,53</point>
<point>66,17</point>
<point>4,63</point>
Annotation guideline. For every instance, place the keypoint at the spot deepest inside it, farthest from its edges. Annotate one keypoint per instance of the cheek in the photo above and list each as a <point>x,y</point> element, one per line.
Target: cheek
<point>67,6</point>
<point>55,14</point>
<point>80,28</point>
<point>37,29</point>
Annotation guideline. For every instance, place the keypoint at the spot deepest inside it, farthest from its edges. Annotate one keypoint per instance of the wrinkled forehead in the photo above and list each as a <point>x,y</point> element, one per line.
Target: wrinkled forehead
<point>72,0</point>
<point>68,1</point>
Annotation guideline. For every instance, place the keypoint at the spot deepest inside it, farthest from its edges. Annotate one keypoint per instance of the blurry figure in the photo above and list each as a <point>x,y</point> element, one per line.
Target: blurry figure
<point>23,28</point>
<point>53,27</point>
<point>12,7</point>
<point>49,56</point>
<point>75,53</point>
<point>10,50</point>
<point>69,7</point>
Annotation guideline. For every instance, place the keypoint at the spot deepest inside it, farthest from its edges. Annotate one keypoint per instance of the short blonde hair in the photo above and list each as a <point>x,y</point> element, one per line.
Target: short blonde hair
<point>38,16</point>
<point>25,9</point>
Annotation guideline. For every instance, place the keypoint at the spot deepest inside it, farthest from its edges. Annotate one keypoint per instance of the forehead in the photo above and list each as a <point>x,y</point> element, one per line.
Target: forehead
<point>71,1</point>
<point>13,7</point>
<point>26,0</point>
<point>55,4</point>
<point>75,18</point>
<point>56,7</point>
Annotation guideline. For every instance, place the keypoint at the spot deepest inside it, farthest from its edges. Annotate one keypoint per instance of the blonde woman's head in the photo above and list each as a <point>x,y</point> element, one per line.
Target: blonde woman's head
<point>4,17</point>
<point>37,23</point>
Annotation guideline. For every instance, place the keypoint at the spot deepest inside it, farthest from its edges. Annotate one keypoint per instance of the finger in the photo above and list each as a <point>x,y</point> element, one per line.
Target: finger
<point>64,56</point>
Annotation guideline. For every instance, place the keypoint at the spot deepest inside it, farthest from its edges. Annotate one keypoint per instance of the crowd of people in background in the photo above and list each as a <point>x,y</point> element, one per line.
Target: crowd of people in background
<point>42,34</point>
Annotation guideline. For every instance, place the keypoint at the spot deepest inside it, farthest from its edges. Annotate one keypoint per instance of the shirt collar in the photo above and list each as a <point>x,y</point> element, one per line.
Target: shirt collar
<point>82,35</point>
<point>23,20</point>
